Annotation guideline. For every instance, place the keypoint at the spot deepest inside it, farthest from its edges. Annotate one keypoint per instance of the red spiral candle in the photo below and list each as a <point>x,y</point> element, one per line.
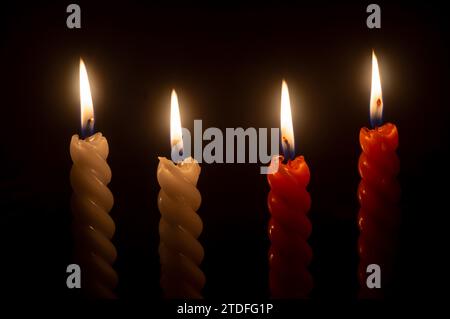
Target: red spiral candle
<point>289,227</point>
<point>378,194</point>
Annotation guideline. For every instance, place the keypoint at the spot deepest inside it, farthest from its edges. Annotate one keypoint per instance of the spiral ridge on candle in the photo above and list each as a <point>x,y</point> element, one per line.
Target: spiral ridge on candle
<point>180,251</point>
<point>92,225</point>
<point>289,229</point>
<point>379,196</point>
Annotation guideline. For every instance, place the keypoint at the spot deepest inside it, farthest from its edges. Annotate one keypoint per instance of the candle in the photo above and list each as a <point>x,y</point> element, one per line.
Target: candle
<point>178,200</point>
<point>91,202</point>
<point>378,192</point>
<point>289,227</point>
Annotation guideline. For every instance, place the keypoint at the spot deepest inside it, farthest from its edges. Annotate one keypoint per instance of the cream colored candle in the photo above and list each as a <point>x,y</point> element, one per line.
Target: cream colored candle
<point>92,226</point>
<point>179,227</point>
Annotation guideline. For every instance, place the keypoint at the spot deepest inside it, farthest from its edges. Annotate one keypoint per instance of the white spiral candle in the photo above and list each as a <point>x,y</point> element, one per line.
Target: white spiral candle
<point>179,250</point>
<point>179,227</point>
<point>92,226</point>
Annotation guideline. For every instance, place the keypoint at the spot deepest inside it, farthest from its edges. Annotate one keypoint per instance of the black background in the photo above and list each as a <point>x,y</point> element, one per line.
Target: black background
<point>226,62</point>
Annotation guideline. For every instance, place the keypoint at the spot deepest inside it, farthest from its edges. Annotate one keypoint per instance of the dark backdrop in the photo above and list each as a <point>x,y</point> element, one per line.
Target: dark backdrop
<point>226,63</point>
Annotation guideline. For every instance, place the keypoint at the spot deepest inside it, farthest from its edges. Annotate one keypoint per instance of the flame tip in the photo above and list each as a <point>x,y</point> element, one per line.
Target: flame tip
<point>86,105</point>
<point>176,138</point>
<point>376,96</point>
<point>287,131</point>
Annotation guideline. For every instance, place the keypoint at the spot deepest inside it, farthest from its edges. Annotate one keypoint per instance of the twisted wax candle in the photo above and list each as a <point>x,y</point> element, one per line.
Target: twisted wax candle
<point>92,226</point>
<point>379,195</point>
<point>289,229</point>
<point>179,227</point>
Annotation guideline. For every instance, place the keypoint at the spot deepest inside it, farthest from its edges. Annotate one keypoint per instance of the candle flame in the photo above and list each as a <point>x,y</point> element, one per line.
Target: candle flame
<point>176,137</point>
<point>287,131</point>
<point>376,98</point>
<point>87,107</point>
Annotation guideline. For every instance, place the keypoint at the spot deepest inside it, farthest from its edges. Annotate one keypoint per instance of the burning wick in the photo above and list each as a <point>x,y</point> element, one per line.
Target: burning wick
<point>89,129</point>
<point>379,102</point>
<point>287,150</point>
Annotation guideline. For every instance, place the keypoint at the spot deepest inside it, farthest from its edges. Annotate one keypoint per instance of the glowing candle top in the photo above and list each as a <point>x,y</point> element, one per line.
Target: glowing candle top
<point>376,98</point>
<point>86,105</point>
<point>287,131</point>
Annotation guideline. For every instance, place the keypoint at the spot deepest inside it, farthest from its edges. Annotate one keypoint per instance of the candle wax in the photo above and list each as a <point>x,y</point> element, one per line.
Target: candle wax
<point>180,251</point>
<point>289,229</point>
<point>378,195</point>
<point>92,226</point>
